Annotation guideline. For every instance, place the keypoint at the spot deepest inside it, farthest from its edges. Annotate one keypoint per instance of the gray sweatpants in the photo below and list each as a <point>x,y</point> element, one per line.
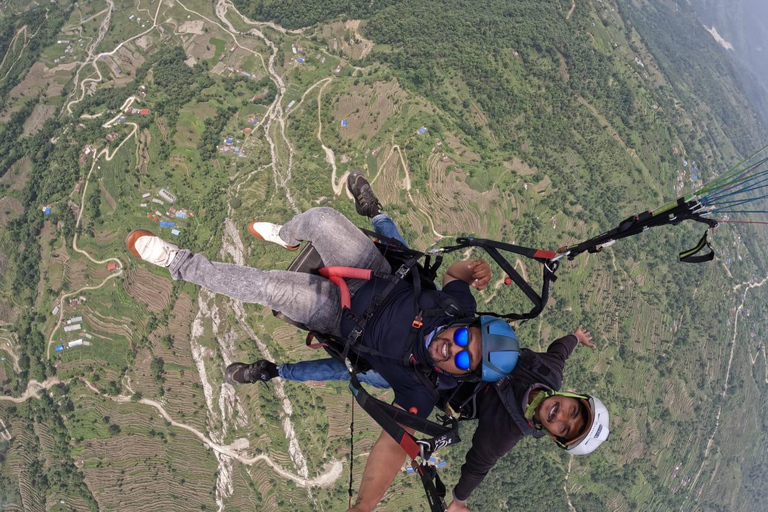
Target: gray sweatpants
<point>312,300</point>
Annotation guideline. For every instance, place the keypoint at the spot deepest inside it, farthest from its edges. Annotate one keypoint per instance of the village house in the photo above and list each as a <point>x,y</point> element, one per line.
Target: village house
<point>167,195</point>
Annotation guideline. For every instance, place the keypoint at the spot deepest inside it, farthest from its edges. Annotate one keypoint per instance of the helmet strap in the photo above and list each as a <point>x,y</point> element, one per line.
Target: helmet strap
<point>530,410</point>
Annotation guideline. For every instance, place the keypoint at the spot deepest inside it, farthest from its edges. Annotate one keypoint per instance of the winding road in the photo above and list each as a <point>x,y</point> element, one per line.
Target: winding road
<point>724,392</point>
<point>273,125</point>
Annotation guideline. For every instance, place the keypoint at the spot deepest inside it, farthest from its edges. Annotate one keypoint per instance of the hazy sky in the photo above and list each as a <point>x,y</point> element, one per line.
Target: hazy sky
<point>743,24</point>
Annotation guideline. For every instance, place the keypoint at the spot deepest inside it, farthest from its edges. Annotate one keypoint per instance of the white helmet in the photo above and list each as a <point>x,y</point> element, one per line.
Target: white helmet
<point>597,430</point>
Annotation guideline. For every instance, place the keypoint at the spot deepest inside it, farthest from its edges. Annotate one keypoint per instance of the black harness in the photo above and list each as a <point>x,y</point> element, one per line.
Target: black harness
<point>351,352</point>
<point>673,213</point>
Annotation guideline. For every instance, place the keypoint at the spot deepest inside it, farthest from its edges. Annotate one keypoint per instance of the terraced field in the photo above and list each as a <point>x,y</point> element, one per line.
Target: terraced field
<point>524,147</point>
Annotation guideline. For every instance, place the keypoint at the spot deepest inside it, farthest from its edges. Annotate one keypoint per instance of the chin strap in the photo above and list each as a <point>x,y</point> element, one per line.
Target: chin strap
<point>530,410</point>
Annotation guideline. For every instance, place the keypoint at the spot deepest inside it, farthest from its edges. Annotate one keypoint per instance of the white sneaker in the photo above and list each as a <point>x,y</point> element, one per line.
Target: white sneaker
<point>269,233</point>
<point>146,246</point>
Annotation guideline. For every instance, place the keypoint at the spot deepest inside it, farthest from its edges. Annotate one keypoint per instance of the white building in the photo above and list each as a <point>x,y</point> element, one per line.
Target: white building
<point>167,195</point>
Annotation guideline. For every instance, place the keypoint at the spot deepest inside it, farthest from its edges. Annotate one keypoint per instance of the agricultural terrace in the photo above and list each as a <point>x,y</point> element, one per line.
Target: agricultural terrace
<point>192,119</point>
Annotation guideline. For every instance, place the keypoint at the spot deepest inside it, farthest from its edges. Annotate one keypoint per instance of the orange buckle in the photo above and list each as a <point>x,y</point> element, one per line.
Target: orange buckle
<point>417,323</point>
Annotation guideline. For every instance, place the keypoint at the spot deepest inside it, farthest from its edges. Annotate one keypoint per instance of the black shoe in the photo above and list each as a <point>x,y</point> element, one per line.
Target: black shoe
<point>366,202</point>
<point>242,373</point>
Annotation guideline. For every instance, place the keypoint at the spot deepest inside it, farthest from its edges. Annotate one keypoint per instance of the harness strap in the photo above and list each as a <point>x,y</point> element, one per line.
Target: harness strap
<point>433,486</point>
<point>424,379</point>
<point>391,419</point>
<point>689,255</point>
<point>492,247</point>
<point>673,213</point>
<point>378,300</point>
<point>466,407</point>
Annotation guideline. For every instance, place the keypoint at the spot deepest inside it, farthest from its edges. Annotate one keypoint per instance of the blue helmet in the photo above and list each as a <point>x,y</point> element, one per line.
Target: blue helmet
<point>500,348</point>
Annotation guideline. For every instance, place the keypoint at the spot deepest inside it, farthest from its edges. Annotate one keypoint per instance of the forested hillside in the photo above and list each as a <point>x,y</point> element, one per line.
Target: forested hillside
<point>743,29</point>
<point>535,123</point>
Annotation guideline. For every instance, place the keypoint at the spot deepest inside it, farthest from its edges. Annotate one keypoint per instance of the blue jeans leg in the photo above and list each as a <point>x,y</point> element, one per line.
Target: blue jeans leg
<point>383,225</point>
<point>322,370</point>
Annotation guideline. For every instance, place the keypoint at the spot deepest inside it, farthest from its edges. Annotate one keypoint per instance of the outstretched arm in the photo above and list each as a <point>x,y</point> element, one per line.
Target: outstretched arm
<point>476,273</point>
<point>384,462</point>
<point>560,349</point>
<point>495,436</point>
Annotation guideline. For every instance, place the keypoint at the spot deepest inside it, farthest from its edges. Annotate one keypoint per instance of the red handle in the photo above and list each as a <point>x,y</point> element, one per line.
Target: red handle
<point>337,275</point>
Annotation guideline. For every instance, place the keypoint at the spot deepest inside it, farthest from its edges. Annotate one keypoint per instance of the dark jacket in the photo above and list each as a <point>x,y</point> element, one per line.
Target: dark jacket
<point>388,333</point>
<point>501,423</point>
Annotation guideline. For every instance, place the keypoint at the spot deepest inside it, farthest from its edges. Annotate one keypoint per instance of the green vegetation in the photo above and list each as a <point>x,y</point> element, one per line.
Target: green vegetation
<point>10,149</point>
<point>63,477</point>
<point>542,130</point>
<point>212,134</point>
<point>296,14</point>
<point>22,41</point>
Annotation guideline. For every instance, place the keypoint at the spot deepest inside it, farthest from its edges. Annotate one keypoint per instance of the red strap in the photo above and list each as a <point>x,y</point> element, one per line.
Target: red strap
<point>546,255</point>
<point>314,346</point>
<point>410,446</point>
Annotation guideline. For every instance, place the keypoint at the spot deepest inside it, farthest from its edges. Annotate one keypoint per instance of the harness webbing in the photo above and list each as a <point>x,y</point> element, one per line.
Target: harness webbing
<point>493,248</point>
<point>671,213</point>
<point>688,256</point>
<point>391,419</point>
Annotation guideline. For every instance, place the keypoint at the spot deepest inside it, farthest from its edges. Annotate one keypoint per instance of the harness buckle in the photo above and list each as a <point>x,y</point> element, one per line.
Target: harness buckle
<point>417,322</point>
<point>425,451</point>
<point>355,334</point>
<point>402,271</point>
